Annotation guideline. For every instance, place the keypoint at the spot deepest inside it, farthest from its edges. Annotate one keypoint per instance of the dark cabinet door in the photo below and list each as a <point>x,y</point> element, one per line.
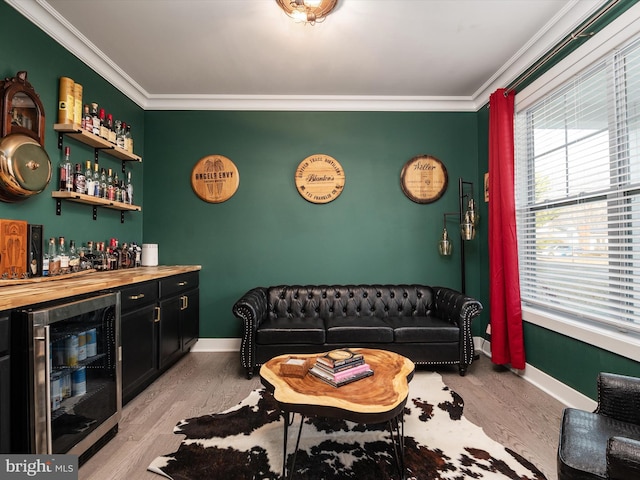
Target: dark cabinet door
<point>169,328</point>
<point>190,319</point>
<point>139,350</point>
<point>5,398</point>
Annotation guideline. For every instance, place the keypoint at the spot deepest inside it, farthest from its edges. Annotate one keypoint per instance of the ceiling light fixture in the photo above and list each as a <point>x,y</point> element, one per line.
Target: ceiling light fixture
<point>308,11</point>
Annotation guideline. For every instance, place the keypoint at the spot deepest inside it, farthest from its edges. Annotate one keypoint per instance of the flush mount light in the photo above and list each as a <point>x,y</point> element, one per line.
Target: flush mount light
<point>307,11</point>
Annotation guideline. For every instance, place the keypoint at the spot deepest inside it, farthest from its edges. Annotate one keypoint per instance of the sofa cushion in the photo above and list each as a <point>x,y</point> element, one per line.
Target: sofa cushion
<point>358,330</point>
<point>291,330</point>
<point>427,329</point>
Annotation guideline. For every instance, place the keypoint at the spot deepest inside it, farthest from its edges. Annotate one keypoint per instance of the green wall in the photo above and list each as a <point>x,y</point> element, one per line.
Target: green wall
<point>45,61</point>
<point>267,234</point>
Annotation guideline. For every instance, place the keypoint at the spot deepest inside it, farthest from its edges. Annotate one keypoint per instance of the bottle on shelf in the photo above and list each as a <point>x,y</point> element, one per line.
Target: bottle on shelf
<point>54,259</point>
<point>101,262</point>
<point>103,184</point>
<point>95,118</point>
<point>79,180</point>
<point>103,124</point>
<point>65,173</point>
<point>129,188</point>
<point>90,186</point>
<point>123,191</point>
<point>83,261</point>
<point>128,139</point>
<point>111,134</point>
<point>74,258</point>
<point>120,134</point>
<point>111,193</point>
<point>87,121</point>
<point>113,254</point>
<point>63,255</point>
<point>117,192</point>
<point>45,262</point>
<point>89,254</point>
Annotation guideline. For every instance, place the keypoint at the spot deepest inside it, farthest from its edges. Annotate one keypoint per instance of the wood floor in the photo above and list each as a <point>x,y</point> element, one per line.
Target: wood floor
<point>509,409</point>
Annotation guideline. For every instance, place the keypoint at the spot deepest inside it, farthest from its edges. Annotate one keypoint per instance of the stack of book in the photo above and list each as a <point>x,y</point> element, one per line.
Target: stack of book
<point>340,367</point>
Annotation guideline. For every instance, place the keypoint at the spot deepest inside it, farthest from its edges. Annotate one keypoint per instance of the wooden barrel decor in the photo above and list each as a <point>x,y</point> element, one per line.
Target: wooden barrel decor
<point>215,179</point>
<point>424,179</point>
<point>319,178</point>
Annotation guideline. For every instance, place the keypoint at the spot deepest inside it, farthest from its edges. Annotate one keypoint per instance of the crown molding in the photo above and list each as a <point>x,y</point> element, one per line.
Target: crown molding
<point>40,13</point>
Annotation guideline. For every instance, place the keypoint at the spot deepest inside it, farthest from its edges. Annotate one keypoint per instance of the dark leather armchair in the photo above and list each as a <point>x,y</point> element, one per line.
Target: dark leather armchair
<point>604,444</point>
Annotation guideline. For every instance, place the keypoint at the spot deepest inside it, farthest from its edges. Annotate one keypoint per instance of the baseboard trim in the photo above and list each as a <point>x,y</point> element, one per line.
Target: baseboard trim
<point>545,382</point>
<point>217,345</point>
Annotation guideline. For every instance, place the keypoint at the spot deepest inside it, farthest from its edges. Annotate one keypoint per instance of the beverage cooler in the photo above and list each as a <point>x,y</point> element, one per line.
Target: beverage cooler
<point>66,385</point>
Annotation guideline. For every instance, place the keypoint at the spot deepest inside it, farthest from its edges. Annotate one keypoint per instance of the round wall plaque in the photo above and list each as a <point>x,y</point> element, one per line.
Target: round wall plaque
<point>319,178</point>
<point>424,179</point>
<point>215,179</point>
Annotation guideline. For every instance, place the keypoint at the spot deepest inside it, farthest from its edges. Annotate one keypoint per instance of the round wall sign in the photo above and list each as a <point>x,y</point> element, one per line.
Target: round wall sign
<point>424,179</point>
<point>215,179</point>
<point>319,178</point>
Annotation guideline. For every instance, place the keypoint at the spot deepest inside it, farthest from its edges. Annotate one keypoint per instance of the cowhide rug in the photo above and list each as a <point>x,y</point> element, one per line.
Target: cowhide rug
<point>245,442</point>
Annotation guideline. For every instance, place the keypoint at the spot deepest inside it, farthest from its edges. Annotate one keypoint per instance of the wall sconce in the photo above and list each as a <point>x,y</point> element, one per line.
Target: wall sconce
<point>468,221</point>
<point>308,11</point>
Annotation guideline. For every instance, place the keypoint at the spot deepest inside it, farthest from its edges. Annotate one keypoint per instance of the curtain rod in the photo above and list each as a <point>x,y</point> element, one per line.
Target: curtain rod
<point>576,34</point>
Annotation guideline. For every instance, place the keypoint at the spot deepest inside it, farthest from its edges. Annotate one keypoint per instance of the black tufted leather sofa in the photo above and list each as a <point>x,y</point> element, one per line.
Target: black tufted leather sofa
<point>604,444</point>
<point>429,325</point>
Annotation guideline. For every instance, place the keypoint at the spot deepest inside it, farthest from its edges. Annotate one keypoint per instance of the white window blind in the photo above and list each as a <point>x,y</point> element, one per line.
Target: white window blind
<point>578,195</point>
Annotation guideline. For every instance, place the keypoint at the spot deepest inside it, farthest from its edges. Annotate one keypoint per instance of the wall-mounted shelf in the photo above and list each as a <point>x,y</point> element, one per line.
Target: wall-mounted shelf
<point>95,201</point>
<point>98,143</point>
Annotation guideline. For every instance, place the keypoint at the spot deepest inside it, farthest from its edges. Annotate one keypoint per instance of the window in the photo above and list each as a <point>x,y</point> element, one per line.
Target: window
<point>578,195</point>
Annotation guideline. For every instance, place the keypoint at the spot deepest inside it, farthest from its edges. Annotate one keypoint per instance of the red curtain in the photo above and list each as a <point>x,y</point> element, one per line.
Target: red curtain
<point>507,345</point>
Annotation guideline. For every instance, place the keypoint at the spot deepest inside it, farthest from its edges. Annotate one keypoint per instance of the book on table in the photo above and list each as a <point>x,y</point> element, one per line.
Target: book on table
<point>343,377</point>
<point>340,358</point>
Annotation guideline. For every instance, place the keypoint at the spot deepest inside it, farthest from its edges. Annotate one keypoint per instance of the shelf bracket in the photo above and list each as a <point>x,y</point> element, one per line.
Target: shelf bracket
<point>96,155</point>
<point>123,164</point>
<point>121,216</point>
<point>60,137</point>
<point>95,212</point>
<point>58,206</point>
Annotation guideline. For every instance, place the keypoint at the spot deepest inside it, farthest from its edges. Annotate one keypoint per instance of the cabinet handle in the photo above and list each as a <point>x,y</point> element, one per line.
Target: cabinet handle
<point>136,297</point>
<point>157,316</point>
<point>185,302</point>
<point>182,284</point>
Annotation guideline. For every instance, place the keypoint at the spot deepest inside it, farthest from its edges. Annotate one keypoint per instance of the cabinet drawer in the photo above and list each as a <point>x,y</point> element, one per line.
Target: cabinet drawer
<point>178,283</point>
<point>4,335</point>
<point>137,295</point>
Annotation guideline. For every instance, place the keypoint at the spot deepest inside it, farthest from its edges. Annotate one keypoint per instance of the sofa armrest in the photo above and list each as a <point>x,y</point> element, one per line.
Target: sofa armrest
<point>457,308</point>
<point>251,309</point>
<point>623,458</point>
<point>619,397</point>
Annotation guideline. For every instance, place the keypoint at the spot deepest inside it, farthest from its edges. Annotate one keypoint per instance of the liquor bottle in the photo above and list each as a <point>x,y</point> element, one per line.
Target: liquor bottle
<point>128,139</point>
<point>103,184</point>
<point>65,174</point>
<point>111,134</point>
<point>83,261</point>
<point>103,124</point>
<point>113,254</point>
<point>90,187</point>
<point>123,191</point>
<point>89,254</point>
<point>117,193</point>
<point>111,193</point>
<point>74,258</point>
<point>125,256</point>
<point>96,181</point>
<point>87,121</point>
<point>54,259</point>
<point>64,256</point>
<point>100,262</point>
<point>95,119</point>
<point>120,134</point>
<point>129,189</point>
<point>79,181</point>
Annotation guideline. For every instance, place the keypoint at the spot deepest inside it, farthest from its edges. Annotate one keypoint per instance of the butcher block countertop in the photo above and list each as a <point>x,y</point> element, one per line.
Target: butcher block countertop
<point>14,293</point>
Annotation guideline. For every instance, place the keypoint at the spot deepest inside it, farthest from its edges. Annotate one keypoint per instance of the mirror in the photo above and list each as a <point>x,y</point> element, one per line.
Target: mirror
<point>21,109</point>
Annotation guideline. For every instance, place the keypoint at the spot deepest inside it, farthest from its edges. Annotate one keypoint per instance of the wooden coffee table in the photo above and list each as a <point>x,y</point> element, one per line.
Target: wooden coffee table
<point>379,398</point>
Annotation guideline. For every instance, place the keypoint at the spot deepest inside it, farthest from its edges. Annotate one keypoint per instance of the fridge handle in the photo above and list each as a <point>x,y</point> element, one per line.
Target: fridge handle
<point>42,386</point>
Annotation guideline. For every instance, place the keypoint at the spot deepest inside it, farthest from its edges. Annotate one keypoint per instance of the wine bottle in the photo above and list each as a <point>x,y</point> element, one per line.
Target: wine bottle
<point>63,255</point>
<point>103,125</point>
<point>95,118</point>
<point>111,193</point>
<point>111,132</point>
<point>87,121</point>
<point>79,181</point>
<point>65,173</point>
<point>129,189</point>
<point>90,188</point>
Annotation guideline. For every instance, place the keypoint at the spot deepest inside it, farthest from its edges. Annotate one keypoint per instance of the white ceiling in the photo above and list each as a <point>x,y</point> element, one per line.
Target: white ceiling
<point>367,55</point>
